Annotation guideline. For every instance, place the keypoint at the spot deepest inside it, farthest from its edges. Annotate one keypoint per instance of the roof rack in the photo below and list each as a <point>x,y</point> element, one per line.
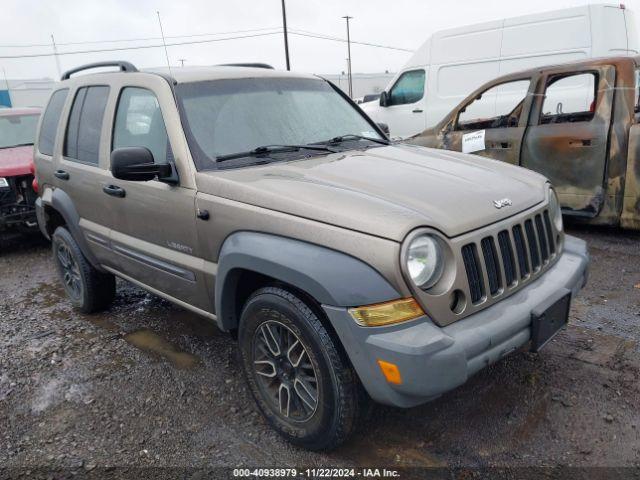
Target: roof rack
<point>249,65</point>
<point>124,67</point>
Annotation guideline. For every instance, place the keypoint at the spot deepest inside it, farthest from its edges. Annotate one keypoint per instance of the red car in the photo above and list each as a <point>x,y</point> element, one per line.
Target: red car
<point>18,191</point>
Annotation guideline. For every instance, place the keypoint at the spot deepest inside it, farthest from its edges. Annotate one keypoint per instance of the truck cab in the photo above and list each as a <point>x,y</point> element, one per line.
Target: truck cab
<point>577,124</point>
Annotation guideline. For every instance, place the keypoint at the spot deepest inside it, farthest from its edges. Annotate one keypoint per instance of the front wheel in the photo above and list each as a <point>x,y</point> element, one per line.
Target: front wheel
<point>302,383</point>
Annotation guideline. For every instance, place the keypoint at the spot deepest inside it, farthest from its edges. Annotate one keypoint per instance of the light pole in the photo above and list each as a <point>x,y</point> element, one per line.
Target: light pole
<point>347,18</point>
<point>286,38</point>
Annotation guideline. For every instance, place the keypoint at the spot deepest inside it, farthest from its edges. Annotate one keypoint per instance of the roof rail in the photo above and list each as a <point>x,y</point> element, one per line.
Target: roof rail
<point>124,67</point>
<point>249,65</point>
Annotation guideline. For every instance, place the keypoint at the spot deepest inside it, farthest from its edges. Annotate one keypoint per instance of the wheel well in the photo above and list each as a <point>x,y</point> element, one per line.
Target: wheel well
<point>249,282</point>
<point>53,219</point>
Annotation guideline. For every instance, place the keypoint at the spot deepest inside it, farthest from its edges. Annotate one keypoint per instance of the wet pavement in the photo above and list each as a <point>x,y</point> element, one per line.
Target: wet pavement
<point>149,384</point>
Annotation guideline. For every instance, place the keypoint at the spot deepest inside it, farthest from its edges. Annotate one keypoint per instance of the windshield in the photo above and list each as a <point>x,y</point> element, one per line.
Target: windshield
<point>223,117</point>
<point>17,130</point>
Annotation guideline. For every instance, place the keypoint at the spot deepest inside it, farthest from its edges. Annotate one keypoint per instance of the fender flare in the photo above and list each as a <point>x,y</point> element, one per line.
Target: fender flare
<point>62,203</point>
<point>330,277</point>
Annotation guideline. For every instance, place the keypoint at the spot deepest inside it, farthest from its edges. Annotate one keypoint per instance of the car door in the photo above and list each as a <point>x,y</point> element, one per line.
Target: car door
<point>404,108</point>
<point>78,171</point>
<point>153,231</point>
<point>493,123</point>
<point>567,138</point>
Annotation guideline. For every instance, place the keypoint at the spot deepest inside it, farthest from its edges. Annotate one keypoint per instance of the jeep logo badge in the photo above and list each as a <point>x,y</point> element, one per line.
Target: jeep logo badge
<point>504,202</point>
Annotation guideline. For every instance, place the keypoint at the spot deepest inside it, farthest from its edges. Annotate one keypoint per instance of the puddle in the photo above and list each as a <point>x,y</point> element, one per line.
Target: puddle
<point>395,450</point>
<point>47,295</point>
<point>151,342</point>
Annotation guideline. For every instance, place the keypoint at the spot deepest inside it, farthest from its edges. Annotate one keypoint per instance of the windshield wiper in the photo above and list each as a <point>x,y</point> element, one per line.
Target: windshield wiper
<point>353,136</point>
<point>273,149</point>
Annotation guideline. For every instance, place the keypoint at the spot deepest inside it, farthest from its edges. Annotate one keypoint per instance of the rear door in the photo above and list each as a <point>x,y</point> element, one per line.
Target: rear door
<point>567,140</point>
<point>79,172</point>
<point>494,122</point>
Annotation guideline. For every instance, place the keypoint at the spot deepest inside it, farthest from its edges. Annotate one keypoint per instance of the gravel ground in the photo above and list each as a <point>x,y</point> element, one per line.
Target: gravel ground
<point>147,384</point>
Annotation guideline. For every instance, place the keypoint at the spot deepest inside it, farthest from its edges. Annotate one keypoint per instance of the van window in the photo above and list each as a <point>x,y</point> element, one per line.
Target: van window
<point>497,107</point>
<point>408,89</point>
<point>570,98</point>
<point>139,123</point>
<point>82,139</point>
<point>50,121</point>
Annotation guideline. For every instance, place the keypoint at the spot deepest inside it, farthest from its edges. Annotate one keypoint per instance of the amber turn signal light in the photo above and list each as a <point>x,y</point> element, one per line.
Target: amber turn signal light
<point>386,313</point>
<point>390,372</point>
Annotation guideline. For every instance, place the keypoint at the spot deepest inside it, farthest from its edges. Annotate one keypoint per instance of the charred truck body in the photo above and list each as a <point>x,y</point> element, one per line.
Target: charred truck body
<point>575,123</point>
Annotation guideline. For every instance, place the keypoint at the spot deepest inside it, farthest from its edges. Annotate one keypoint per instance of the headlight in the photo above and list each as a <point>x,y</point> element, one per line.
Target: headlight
<point>424,261</point>
<point>554,210</point>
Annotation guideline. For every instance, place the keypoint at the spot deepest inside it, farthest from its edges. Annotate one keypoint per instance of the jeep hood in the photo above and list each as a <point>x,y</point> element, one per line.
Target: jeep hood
<point>384,191</point>
<point>16,161</point>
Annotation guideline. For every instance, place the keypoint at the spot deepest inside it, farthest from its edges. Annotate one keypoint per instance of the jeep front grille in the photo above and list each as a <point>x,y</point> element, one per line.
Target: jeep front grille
<point>474,275</point>
<point>506,250</point>
<point>511,256</point>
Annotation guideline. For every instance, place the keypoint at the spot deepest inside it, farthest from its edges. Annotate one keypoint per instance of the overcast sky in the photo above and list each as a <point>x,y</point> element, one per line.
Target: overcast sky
<point>399,23</point>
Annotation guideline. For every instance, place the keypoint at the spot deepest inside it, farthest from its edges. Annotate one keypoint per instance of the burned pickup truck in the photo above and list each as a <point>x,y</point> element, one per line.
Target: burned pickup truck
<point>18,191</point>
<point>575,123</point>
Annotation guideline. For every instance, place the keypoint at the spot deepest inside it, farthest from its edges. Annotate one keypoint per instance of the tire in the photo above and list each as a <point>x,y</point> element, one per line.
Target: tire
<point>283,344</point>
<point>88,289</point>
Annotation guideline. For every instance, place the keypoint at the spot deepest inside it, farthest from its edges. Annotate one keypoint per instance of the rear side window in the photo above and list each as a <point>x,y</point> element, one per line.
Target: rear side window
<point>50,122</point>
<point>82,139</point>
<point>570,98</point>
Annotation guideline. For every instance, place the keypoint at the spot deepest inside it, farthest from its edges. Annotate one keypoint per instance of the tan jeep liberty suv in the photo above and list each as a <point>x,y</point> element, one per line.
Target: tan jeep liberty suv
<point>267,201</point>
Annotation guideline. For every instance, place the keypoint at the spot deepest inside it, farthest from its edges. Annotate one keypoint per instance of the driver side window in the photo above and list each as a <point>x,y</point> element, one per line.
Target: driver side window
<point>497,107</point>
<point>408,89</point>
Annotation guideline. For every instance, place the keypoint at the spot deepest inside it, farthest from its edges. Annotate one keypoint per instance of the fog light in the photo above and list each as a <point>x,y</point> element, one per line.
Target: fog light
<point>390,372</point>
<point>386,313</point>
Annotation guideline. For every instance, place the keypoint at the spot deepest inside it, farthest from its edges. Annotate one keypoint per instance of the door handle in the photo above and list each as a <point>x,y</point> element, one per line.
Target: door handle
<point>417,110</point>
<point>500,145</point>
<point>114,191</point>
<point>202,214</point>
<point>580,142</point>
<point>61,174</point>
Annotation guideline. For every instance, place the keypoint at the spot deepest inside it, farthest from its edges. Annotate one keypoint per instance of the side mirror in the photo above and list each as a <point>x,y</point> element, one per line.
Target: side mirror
<point>136,164</point>
<point>384,99</point>
<point>384,127</point>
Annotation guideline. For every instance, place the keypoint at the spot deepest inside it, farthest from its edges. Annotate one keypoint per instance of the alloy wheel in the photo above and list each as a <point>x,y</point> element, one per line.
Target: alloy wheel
<point>70,271</point>
<point>284,371</point>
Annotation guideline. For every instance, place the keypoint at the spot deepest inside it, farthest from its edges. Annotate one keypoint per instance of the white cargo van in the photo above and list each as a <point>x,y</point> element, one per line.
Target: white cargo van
<point>453,63</point>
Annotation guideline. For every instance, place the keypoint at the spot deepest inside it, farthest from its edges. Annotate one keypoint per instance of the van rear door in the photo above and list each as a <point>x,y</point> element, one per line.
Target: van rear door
<point>613,31</point>
<point>567,137</point>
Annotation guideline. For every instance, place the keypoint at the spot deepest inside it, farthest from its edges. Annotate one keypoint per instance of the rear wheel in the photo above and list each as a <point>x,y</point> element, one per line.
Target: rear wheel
<point>300,380</point>
<point>88,289</point>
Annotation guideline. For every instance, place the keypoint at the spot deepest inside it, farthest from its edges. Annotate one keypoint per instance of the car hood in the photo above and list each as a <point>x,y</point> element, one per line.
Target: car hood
<point>385,191</point>
<point>16,161</point>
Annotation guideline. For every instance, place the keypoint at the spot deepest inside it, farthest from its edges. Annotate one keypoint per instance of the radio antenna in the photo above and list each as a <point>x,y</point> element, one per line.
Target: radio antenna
<point>164,43</point>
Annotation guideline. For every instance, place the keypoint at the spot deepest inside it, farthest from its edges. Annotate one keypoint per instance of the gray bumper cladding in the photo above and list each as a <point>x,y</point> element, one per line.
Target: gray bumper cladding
<point>433,360</point>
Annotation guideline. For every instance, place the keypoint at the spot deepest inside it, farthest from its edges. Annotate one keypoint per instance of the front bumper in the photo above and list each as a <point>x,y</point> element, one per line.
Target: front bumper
<point>433,360</point>
<point>17,215</point>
